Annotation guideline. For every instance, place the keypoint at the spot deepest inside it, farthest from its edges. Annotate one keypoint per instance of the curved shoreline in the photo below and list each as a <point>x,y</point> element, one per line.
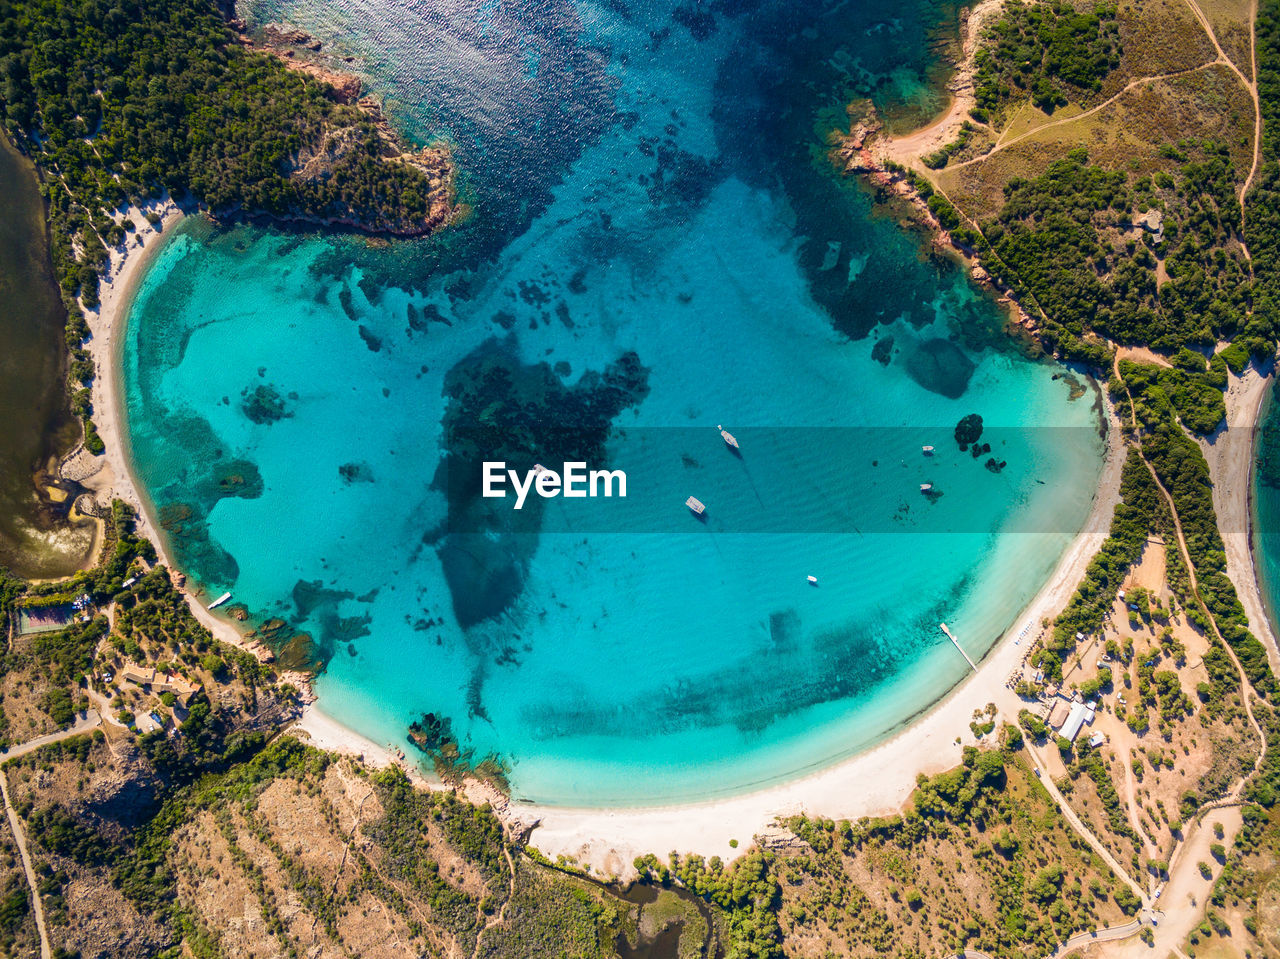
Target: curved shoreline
<point>875,782</point>
<point>117,479</point>
<point>1260,581</point>
<point>1230,453</point>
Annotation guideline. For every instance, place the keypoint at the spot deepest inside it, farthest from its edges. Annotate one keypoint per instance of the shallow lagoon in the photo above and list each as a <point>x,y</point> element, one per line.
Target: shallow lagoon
<point>658,247</point>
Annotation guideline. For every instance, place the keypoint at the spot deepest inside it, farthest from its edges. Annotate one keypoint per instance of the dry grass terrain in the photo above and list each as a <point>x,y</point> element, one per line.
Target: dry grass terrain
<point>1005,882</point>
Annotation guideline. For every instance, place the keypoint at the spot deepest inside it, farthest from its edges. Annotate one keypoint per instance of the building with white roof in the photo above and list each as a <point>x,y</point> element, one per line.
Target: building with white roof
<point>1075,720</point>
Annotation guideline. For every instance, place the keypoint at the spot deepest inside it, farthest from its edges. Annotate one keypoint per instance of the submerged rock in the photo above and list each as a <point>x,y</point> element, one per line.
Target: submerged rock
<point>882,352</point>
<point>263,405</point>
<point>968,430</point>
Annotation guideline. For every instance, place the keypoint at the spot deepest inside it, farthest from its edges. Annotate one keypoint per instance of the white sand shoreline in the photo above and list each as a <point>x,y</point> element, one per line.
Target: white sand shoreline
<point>117,480</point>
<point>877,781</point>
<point>1230,455</point>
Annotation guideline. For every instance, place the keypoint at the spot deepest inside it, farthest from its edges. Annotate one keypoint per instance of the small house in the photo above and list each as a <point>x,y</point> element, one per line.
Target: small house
<point>139,675</point>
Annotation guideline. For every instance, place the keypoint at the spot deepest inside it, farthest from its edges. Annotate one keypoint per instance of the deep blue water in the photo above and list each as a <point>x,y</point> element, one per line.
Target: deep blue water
<point>658,245</point>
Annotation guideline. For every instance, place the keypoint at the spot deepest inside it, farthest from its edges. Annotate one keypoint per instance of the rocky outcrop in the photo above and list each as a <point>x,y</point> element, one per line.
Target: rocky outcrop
<point>291,47</point>
<point>320,158</point>
<point>858,153</point>
<point>344,87</point>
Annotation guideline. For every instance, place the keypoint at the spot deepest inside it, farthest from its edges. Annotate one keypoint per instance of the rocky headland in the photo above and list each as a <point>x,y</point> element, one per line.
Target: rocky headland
<point>318,160</point>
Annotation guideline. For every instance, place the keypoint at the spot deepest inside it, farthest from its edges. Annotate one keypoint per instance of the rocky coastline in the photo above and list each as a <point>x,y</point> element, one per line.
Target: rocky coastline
<point>861,153</point>
<point>298,51</point>
<point>894,166</point>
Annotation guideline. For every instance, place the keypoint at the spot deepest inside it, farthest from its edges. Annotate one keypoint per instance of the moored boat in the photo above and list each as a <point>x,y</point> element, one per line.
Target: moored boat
<point>927,450</point>
<point>926,487</point>
<point>695,505</point>
<point>728,438</point>
<point>813,581</point>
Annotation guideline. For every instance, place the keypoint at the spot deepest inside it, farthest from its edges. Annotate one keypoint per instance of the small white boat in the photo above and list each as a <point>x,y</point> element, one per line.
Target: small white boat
<point>927,450</point>
<point>220,600</point>
<point>925,487</point>
<point>813,581</point>
<point>538,469</point>
<point>728,438</point>
<point>695,504</point>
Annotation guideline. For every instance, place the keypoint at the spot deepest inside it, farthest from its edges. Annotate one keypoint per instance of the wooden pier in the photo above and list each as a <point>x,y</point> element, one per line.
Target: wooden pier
<point>959,647</point>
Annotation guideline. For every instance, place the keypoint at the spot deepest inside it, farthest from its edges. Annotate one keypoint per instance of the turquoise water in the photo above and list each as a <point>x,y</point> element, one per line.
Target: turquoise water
<point>1264,523</point>
<point>658,247</point>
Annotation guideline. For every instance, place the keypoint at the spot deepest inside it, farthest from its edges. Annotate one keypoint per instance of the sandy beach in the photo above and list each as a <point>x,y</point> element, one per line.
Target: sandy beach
<point>115,292</point>
<point>114,476</point>
<point>876,782</point>
<point>607,840</point>
<point>1230,454</point>
<point>907,149</point>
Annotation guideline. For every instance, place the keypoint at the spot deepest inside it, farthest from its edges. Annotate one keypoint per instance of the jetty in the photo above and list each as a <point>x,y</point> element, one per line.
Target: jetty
<point>220,600</point>
<point>959,647</point>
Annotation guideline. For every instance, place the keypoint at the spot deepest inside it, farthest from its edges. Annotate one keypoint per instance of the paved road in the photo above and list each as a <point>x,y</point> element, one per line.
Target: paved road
<point>1109,934</point>
<point>84,722</point>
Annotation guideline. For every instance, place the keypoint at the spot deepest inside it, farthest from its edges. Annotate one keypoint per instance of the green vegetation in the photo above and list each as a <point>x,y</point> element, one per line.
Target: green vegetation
<point>1065,241</point>
<point>119,101</point>
<point>1253,862</point>
<point>987,816</point>
<point>1183,472</point>
<point>1140,510</point>
<point>1049,52</point>
<point>1027,886</point>
<point>747,891</point>
<point>1262,226</point>
<point>940,158</point>
<point>407,860</point>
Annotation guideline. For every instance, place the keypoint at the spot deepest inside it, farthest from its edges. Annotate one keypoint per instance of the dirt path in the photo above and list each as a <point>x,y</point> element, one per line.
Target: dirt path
<point>1131,85</point>
<point>1246,690</point>
<point>1251,85</point>
<point>1181,905</point>
<point>1108,934</point>
<point>19,837</point>
<point>1078,825</point>
<point>1140,354</point>
<point>502,912</point>
<point>942,130</point>
<point>346,846</point>
<point>1187,887</point>
<point>1229,452</point>
<point>84,722</point>
<point>910,148</point>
